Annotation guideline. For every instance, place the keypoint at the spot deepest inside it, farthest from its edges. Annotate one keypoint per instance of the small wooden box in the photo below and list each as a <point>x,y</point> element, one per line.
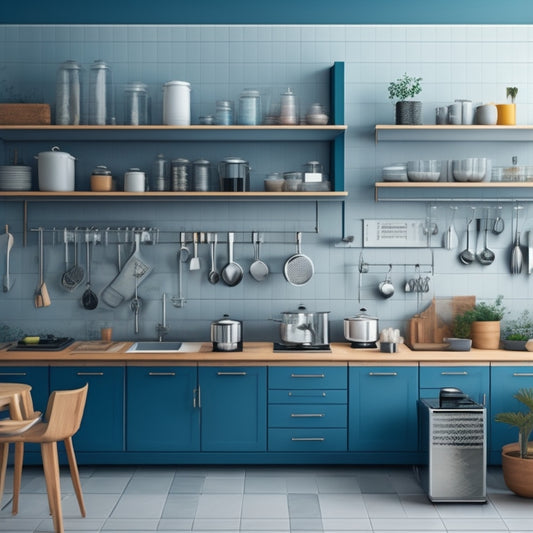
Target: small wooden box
<point>24,114</point>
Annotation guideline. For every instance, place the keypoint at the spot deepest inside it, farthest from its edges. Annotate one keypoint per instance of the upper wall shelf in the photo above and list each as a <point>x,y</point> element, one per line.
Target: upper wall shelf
<point>171,133</point>
<point>389,132</point>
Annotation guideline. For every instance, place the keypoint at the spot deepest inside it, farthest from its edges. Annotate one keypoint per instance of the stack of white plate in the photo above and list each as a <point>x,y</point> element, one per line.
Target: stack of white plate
<point>15,178</point>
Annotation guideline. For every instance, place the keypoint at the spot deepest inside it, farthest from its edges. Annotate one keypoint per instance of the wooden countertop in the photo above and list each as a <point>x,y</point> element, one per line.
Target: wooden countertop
<point>87,353</point>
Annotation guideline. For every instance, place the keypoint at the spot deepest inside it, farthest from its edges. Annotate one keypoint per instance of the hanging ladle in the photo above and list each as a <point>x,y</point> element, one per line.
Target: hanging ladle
<point>467,257</point>
<point>89,299</point>
<point>486,256</point>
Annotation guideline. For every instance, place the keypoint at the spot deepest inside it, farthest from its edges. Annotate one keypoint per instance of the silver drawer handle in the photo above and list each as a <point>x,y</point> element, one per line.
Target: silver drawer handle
<point>307,415</point>
<point>231,374</point>
<point>89,373</point>
<point>308,375</point>
<point>454,373</point>
<point>308,439</point>
<point>523,374</point>
<point>308,393</point>
<point>13,374</point>
<point>161,373</point>
<point>383,373</point>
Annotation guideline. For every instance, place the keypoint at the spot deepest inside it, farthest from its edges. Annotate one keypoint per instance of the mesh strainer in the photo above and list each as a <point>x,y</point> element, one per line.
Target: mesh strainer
<point>298,269</point>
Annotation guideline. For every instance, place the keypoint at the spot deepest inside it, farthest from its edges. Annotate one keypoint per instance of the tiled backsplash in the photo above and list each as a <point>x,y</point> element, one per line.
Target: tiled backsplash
<point>463,61</point>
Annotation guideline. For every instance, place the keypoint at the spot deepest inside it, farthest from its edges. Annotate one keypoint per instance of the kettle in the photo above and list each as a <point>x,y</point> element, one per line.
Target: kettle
<point>226,335</point>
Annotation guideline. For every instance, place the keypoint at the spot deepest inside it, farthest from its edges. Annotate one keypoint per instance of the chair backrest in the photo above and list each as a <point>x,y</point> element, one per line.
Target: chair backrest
<point>64,413</point>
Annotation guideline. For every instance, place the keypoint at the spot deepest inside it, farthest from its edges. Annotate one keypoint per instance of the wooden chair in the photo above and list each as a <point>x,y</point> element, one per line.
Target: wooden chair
<point>62,420</point>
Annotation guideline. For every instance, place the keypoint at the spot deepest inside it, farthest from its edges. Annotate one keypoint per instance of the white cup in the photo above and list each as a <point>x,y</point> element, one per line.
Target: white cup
<point>134,180</point>
<point>455,113</point>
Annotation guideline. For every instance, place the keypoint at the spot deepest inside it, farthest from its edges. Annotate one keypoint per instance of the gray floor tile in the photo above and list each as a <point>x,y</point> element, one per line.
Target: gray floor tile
<point>342,506</point>
<point>384,505</point>
<point>375,481</point>
<point>306,524</point>
<point>149,485</point>
<point>338,484</point>
<point>181,506</point>
<point>302,484</point>
<point>265,484</point>
<point>219,506</point>
<point>265,524</point>
<point>140,506</point>
<point>466,510</point>
<point>509,505</point>
<point>265,506</point>
<point>346,524</point>
<point>216,524</point>
<point>303,506</point>
<point>104,485</point>
<point>407,524</point>
<point>175,524</point>
<point>187,483</point>
<point>475,524</point>
<point>418,506</point>
<point>223,485</point>
<point>130,524</point>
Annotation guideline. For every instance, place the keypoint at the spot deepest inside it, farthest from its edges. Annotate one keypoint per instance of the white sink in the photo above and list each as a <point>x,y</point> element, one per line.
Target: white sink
<point>165,346</point>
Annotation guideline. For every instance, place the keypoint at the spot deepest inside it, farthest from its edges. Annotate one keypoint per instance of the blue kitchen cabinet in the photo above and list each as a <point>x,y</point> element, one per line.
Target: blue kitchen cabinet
<point>474,380</point>
<point>307,408</point>
<point>162,412</point>
<point>505,383</point>
<point>102,426</point>
<point>383,409</point>
<point>233,408</point>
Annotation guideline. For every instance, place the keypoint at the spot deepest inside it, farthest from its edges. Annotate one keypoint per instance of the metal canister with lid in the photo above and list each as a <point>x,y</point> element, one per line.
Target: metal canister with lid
<point>160,174</point>
<point>234,174</point>
<point>136,103</point>
<point>224,112</point>
<point>226,335</point>
<point>250,107</point>
<point>200,175</point>
<point>180,172</point>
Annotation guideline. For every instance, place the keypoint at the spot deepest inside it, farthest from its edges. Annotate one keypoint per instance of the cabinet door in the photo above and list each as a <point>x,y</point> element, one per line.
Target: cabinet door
<point>383,409</point>
<point>505,383</point>
<point>233,408</point>
<point>473,380</point>
<point>102,426</point>
<point>161,412</point>
<point>37,377</point>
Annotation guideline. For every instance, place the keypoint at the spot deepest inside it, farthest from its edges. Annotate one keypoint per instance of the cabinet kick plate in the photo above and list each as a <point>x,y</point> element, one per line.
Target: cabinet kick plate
<point>394,233</point>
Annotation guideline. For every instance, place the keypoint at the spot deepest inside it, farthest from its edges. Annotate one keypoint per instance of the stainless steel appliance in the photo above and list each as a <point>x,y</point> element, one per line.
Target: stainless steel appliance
<point>304,328</point>
<point>362,330</point>
<point>453,437</point>
<point>226,335</point>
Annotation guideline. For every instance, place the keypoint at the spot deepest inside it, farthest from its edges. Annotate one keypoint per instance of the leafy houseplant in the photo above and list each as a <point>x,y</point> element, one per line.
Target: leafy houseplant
<point>407,111</point>
<point>474,322</point>
<point>512,92</point>
<point>517,461</point>
<point>516,332</point>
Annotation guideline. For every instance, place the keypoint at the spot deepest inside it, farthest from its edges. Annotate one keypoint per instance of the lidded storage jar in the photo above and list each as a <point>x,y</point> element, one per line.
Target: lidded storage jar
<point>101,179</point>
<point>160,178</point>
<point>234,174</point>
<point>200,175</point>
<point>177,103</point>
<point>101,102</point>
<point>224,112</point>
<point>250,107</point>
<point>180,173</point>
<point>68,93</point>
<point>136,104</point>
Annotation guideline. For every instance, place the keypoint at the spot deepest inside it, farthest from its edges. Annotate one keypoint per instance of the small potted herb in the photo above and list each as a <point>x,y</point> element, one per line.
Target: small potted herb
<point>408,112</point>
<point>516,332</point>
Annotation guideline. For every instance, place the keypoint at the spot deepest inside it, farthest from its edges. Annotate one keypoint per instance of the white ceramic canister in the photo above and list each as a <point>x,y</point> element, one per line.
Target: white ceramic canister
<point>55,170</point>
<point>134,180</point>
<point>177,103</point>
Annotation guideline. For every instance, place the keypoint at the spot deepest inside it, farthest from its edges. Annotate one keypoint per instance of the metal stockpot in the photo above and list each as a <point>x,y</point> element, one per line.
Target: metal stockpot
<point>303,327</point>
<point>361,328</point>
<point>226,335</point>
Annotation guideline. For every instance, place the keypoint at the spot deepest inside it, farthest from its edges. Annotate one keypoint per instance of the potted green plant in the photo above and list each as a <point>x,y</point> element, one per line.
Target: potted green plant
<point>516,332</point>
<point>507,112</point>
<point>483,324</point>
<point>517,458</point>
<point>408,112</point>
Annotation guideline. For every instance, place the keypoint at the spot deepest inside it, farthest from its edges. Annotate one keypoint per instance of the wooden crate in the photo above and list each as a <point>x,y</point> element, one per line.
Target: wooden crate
<point>25,114</point>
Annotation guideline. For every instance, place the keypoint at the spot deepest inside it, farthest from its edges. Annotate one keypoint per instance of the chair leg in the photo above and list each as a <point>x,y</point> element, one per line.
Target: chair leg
<point>51,476</point>
<point>17,475</point>
<point>74,474</point>
<point>4,449</point>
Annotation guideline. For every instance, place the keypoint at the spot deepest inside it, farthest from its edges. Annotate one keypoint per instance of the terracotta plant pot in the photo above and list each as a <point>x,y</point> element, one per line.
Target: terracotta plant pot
<point>517,472</point>
<point>506,114</point>
<point>485,335</point>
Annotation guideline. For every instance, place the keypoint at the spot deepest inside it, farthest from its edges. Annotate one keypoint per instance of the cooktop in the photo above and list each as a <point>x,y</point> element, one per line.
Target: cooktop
<point>48,343</point>
<point>301,348</point>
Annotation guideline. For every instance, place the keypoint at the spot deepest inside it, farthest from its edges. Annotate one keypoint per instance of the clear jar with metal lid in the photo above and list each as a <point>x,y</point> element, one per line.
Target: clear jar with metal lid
<point>101,102</point>
<point>250,113</point>
<point>136,103</point>
<point>200,175</point>
<point>224,112</point>
<point>160,177</point>
<point>101,179</point>
<point>180,174</point>
<point>68,93</point>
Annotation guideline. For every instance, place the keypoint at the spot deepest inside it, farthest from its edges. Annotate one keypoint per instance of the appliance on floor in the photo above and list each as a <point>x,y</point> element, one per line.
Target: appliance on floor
<point>454,438</point>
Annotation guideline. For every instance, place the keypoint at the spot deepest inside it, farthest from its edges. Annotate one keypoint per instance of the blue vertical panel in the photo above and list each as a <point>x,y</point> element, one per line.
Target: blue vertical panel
<point>160,412</point>
<point>233,405</point>
<point>102,426</point>
<point>337,118</point>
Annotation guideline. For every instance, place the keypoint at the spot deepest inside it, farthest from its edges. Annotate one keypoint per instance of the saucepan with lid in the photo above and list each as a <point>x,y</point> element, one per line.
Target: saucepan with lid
<point>362,330</point>
<point>304,327</point>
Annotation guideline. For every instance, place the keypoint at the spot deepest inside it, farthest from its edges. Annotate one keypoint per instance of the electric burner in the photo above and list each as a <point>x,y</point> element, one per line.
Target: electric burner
<point>363,345</point>
<point>48,343</point>
<point>301,348</point>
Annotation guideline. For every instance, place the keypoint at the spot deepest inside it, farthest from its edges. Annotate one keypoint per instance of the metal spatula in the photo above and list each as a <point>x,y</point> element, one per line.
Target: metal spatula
<point>8,280</point>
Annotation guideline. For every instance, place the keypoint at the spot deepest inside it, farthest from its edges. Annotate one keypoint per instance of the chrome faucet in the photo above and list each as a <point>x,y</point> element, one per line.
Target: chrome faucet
<point>161,328</point>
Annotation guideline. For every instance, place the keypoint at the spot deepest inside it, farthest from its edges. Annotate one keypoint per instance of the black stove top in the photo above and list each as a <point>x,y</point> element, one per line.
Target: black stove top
<point>301,348</point>
<point>49,343</point>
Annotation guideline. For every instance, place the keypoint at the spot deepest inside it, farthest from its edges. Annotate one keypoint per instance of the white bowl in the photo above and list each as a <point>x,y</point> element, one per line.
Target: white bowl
<point>424,170</point>
<point>472,169</point>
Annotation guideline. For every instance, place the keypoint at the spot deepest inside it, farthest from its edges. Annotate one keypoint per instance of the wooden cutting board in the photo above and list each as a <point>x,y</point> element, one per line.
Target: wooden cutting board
<point>434,323</point>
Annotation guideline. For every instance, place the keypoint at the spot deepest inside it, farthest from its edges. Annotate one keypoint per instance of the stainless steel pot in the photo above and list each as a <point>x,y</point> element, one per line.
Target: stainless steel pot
<point>361,328</point>
<point>303,327</point>
<point>55,170</point>
<point>226,335</point>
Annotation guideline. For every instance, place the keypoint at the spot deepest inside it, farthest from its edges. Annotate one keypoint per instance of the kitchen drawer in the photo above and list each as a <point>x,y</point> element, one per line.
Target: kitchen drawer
<point>307,416</point>
<point>305,396</point>
<point>470,379</point>
<point>307,440</point>
<point>307,377</point>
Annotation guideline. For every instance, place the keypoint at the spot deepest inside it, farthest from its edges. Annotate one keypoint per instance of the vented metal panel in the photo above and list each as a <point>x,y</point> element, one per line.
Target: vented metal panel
<point>458,428</point>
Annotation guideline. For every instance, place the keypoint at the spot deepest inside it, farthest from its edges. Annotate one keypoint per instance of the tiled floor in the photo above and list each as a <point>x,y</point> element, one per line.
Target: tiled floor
<point>329,499</point>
